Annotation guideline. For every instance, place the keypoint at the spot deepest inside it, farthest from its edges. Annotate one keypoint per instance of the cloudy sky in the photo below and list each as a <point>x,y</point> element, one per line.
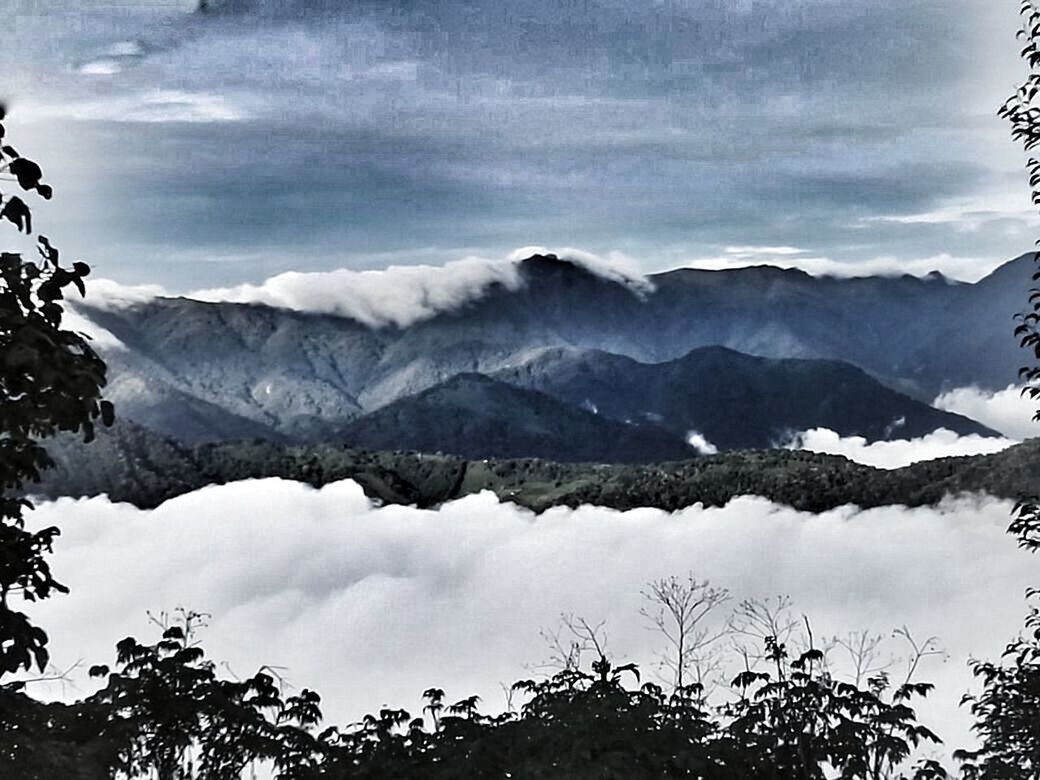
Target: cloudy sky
<point>197,151</point>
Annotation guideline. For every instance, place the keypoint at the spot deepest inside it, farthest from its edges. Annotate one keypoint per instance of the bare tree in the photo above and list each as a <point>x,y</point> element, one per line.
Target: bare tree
<point>678,609</point>
<point>756,620</point>
<point>918,652</point>
<point>864,650</point>
<point>570,641</point>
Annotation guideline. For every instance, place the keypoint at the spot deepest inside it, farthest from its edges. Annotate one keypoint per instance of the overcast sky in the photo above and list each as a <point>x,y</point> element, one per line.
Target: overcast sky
<point>197,150</point>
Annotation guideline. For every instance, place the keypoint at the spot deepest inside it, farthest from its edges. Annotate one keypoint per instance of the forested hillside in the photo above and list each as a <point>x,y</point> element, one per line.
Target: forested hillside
<point>131,464</point>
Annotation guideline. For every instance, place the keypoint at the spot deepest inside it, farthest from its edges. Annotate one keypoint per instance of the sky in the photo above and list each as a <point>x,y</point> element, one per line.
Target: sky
<point>207,151</point>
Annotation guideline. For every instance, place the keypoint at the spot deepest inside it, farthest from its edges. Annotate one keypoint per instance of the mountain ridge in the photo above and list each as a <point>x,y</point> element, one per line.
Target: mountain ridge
<point>216,371</point>
<point>129,463</point>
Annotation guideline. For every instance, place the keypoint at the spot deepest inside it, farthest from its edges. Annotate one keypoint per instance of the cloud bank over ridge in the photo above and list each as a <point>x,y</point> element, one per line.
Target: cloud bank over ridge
<point>1005,410</point>
<point>897,453</point>
<point>343,593</point>
<point>401,294</point>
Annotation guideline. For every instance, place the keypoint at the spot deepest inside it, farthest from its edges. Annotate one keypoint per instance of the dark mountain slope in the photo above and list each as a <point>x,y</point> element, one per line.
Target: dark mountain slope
<point>477,417</point>
<point>736,401</point>
<point>134,465</point>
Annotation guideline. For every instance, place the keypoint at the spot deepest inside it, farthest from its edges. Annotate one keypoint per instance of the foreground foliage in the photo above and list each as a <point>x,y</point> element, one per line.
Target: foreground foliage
<point>1007,711</point>
<point>50,381</point>
<point>165,712</point>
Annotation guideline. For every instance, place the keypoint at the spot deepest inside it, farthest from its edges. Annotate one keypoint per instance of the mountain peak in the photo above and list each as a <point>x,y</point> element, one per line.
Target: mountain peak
<point>550,264</point>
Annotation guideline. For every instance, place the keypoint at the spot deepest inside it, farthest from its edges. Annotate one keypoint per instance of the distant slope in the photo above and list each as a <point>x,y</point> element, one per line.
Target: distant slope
<point>477,417</point>
<point>736,401</point>
<point>134,465</point>
<point>207,371</point>
<point>256,371</point>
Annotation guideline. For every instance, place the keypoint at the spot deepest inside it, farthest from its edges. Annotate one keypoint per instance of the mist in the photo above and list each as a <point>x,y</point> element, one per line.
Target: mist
<point>1007,410</point>
<point>396,296</point>
<point>371,605</point>
<point>897,453</point>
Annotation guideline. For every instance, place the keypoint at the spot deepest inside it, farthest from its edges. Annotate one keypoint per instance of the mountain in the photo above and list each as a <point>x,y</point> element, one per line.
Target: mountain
<point>133,464</point>
<point>735,401</point>
<point>218,371</point>
<point>247,370</point>
<point>478,417</point>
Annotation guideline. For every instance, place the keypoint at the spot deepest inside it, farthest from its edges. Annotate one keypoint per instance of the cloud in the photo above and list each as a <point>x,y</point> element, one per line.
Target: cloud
<point>102,67</point>
<point>968,214</point>
<point>968,269</point>
<point>613,266</point>
<point>1005,410</point>
<point>111,295</point>
<point>401,295</point>
<point>701,444</point>
<point>897,453</point>
<point>370,606</point>
<point>397,296</point>
<point>146,106</point>
<point>106,295</point>
<point>100,338</point>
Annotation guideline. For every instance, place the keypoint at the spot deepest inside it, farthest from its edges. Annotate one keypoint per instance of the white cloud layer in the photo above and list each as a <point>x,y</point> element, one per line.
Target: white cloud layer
<point>100,338</point>
<point>147,106</point>
<point>372,605</point>
<point>894,454</point>
<point>398,295</point>
<point>1005,410</point>
<point>954,267</point>
<point>402,294</point>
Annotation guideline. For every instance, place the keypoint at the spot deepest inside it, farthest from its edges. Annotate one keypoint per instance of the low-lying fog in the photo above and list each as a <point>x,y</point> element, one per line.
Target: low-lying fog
<point>372,605</point>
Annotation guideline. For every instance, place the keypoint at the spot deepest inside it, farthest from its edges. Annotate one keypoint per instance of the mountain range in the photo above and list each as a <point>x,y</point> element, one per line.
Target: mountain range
<point>574,365</point>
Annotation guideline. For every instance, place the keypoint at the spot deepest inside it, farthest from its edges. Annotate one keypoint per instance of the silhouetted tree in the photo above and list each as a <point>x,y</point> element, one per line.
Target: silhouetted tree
<point>50,381</point>
<point>1007,711</point>
<point>677,608</point>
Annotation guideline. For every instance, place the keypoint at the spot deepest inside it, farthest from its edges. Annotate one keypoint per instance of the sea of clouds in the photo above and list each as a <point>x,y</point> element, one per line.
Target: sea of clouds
<point>371,605</point>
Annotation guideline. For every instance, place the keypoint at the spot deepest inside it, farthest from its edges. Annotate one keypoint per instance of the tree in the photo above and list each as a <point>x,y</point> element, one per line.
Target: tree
<point>677,608</point>
<point>50,381</point>
<point>1007,711</point>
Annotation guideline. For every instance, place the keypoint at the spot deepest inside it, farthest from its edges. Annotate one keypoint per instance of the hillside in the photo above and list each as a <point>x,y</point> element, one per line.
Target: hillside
<point>734,400</point>
<point>131,464</point>
<point>478,417</point>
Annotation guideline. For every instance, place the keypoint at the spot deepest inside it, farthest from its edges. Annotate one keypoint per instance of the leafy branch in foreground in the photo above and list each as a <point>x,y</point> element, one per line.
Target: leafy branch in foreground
<point>1007,711</point>
<point>50,381</point>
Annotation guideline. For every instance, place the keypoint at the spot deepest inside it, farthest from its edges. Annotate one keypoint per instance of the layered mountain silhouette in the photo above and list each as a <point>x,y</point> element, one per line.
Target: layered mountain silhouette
<point>478,417</point>
<point>855,355</point>
<point>735,401</point>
